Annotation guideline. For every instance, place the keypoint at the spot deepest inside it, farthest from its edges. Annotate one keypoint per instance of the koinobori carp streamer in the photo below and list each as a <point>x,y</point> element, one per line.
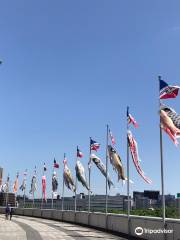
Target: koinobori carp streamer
<point>54,183</point>
<point>102,168</point>
<point>170,123</point>
<point>116,162</point>
<point>80,174</point>
<point>135,156</point>
<point>68,178</point>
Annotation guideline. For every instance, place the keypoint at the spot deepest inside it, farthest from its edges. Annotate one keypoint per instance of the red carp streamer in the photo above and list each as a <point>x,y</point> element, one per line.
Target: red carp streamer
<point>172,136</point>
<point>135,156</point>
<point>169,127</point>
<point>44,187</point>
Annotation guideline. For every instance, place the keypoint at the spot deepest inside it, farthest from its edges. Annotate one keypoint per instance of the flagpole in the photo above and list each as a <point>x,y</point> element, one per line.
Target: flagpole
<point>107,137</point>
<point>16,192</point>
<point>52,203</point>
<point>63,189</point>
<point>42,189</point>
<point>24,192</point>
<point>34,186</point>
<point>24,198</point>
<point>128,168</point>
<point>162,169</point>
<point>75,199</point>
<point>7,194</point>
<point>89,191</point>
<point>33,198</point>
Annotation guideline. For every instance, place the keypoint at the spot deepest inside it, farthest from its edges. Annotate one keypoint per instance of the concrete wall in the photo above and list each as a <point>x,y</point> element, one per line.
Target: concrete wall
<point>28,212</point>
<point>82,218</point>
<point>48,213</point>
<point>97,220</point>
<point>57,215</point>
<point>112,222</point>
<point>68,216</point>
<point>117,223</point>
<point>148,223</point>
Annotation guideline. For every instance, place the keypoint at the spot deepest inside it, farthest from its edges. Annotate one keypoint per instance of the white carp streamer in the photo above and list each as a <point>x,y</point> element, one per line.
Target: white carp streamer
<point>68,179</point>
<point>99,164</point>
<point>80,174</point>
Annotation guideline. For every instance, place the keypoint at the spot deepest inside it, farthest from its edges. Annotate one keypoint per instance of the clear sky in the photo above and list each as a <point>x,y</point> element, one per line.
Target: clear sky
<point>70,67</point>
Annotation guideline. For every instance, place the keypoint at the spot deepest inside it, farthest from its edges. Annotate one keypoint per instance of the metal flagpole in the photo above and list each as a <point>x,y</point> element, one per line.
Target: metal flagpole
<point>52,203</point>
<point>24,198</point>
<point>33,198</point>
<point>63,189</point>
<point>89,191</point>
<point>107,137</point>
<point>34,186</point>
<point>128,195</point>
<point>162,169</point>
<point>32,192</point>
<point>24,190</point>
<point>7,193</point>
<point>75,199</point>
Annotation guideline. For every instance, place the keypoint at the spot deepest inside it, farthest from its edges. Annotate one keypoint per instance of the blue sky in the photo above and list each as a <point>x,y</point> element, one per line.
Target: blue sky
<point>71,67</point>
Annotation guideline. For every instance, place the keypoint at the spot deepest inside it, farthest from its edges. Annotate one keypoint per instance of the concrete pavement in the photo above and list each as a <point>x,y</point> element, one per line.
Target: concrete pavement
<point>28,228</point>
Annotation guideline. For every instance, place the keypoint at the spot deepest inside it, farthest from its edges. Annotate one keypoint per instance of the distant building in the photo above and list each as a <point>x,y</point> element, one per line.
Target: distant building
<point>114,202</point>
<point>152,199</point>
<point>142,203</point>
<point>137,195</point>
<point>170,200</point>
<point>98,203</point>
<point>7,198</point>
<point>126,203</point>
<point>151,194</point>
<point>146,199</point>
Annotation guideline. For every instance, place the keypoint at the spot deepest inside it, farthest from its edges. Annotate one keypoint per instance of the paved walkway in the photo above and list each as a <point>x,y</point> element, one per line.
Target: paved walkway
<point>27,228</point>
